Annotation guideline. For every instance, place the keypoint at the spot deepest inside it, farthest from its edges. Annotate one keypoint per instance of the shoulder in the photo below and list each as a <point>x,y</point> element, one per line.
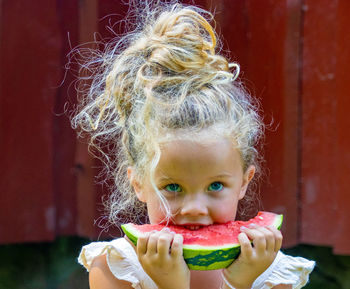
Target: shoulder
<point>100,276</point>
<point>283,269</point>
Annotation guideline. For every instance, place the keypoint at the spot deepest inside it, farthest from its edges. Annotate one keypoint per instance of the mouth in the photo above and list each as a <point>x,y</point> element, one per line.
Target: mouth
<point>192,227</point>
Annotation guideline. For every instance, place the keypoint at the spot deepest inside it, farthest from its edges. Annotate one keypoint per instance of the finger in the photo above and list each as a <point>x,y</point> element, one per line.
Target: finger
<point>278,237</point>
<point>152,243</point>
<point>177,246</point>
<point>258,239</point>
<point>246,247</point>
<point>142,242</point>
<point>269,238</point>
<point>164,242</point>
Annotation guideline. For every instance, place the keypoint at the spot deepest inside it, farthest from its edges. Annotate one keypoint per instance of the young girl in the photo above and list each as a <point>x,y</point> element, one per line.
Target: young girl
<point>179,135</point>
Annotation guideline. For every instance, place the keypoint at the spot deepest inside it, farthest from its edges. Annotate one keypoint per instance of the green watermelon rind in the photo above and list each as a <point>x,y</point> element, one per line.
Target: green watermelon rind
<point>278,222</point>
<point>201,257</point>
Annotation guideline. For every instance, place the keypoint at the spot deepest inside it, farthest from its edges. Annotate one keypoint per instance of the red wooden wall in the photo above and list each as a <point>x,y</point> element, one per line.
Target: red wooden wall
<point>293,56</point>
<point>325,137</point>
<point>31,63</point>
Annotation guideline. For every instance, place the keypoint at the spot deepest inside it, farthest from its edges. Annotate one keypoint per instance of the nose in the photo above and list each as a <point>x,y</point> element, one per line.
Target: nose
<point>194,205</point>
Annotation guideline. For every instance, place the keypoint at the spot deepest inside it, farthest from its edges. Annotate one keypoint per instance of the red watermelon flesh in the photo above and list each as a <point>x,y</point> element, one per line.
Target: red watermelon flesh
<point>216,234</point>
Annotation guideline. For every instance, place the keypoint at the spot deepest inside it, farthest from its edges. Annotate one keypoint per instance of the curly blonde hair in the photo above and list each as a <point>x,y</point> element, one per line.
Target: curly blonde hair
<point>164,77</point>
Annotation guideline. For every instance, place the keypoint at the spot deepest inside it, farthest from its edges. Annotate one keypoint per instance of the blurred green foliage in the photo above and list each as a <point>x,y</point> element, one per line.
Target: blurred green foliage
<point>51,265</point>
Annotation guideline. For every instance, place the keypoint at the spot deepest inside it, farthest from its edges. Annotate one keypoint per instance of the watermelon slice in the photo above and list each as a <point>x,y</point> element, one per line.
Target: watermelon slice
<point>208,248</point>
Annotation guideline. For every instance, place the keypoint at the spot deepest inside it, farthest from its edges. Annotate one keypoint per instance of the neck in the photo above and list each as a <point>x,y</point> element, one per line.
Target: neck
<point>206,279</point>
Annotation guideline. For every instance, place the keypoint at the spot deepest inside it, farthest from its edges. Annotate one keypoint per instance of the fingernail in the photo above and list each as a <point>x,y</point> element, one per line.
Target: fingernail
<point>252,225</point>
<point>167,230</point>
<point>243,228</point>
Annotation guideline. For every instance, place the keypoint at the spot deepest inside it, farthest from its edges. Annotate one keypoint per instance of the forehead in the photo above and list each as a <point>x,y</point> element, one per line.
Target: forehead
<point>203,153</point>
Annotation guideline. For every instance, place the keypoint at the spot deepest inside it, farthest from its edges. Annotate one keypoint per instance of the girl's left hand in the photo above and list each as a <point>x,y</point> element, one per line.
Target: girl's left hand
<point>254,258</point>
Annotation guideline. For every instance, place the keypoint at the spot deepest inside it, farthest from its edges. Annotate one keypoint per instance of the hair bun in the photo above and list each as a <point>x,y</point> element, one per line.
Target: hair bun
<point>181,40</point>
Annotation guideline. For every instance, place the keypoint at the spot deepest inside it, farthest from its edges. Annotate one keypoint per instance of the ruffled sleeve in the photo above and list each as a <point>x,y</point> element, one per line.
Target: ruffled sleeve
<point>122,261</point>
<point>285,270</point>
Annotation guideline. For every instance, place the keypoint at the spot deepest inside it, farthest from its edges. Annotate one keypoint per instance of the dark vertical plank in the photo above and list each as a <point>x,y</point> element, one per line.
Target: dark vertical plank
<point>319,117</point>
<point>86,188</point>
<point>342,228</point>
<point>292,121</point>
<point>30,70</point>
<point>64,138</point>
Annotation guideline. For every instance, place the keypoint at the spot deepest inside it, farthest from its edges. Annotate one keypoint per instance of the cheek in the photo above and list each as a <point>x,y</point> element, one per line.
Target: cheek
<point>156,214</point>
<point>225,214</point>
<point>224,210</point>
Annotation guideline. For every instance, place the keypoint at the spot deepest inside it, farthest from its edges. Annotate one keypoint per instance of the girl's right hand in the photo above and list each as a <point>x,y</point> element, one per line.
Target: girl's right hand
<point>160,254</point>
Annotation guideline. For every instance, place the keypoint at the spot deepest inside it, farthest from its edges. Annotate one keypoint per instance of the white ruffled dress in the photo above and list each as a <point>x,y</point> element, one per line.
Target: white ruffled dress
<point>124,265</point>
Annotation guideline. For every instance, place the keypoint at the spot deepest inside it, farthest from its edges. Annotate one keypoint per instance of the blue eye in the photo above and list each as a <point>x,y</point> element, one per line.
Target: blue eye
<point>216,186</point>
<point>173,188</point>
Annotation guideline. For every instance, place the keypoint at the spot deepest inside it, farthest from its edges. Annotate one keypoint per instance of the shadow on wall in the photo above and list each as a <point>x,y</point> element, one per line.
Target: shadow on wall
<point>54,266</point>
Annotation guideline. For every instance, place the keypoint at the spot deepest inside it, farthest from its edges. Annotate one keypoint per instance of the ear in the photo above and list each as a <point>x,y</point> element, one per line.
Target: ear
<point>136,184</point>
<point>247,177</point>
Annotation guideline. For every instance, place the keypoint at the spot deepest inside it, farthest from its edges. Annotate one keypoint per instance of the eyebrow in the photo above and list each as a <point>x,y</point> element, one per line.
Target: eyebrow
<point>220,176</point>
<point>223,175</point>
<point>164,178</point>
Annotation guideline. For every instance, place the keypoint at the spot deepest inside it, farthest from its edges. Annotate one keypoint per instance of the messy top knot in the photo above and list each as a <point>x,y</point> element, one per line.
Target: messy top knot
<point>164,77</point>
<point>174,50</point>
